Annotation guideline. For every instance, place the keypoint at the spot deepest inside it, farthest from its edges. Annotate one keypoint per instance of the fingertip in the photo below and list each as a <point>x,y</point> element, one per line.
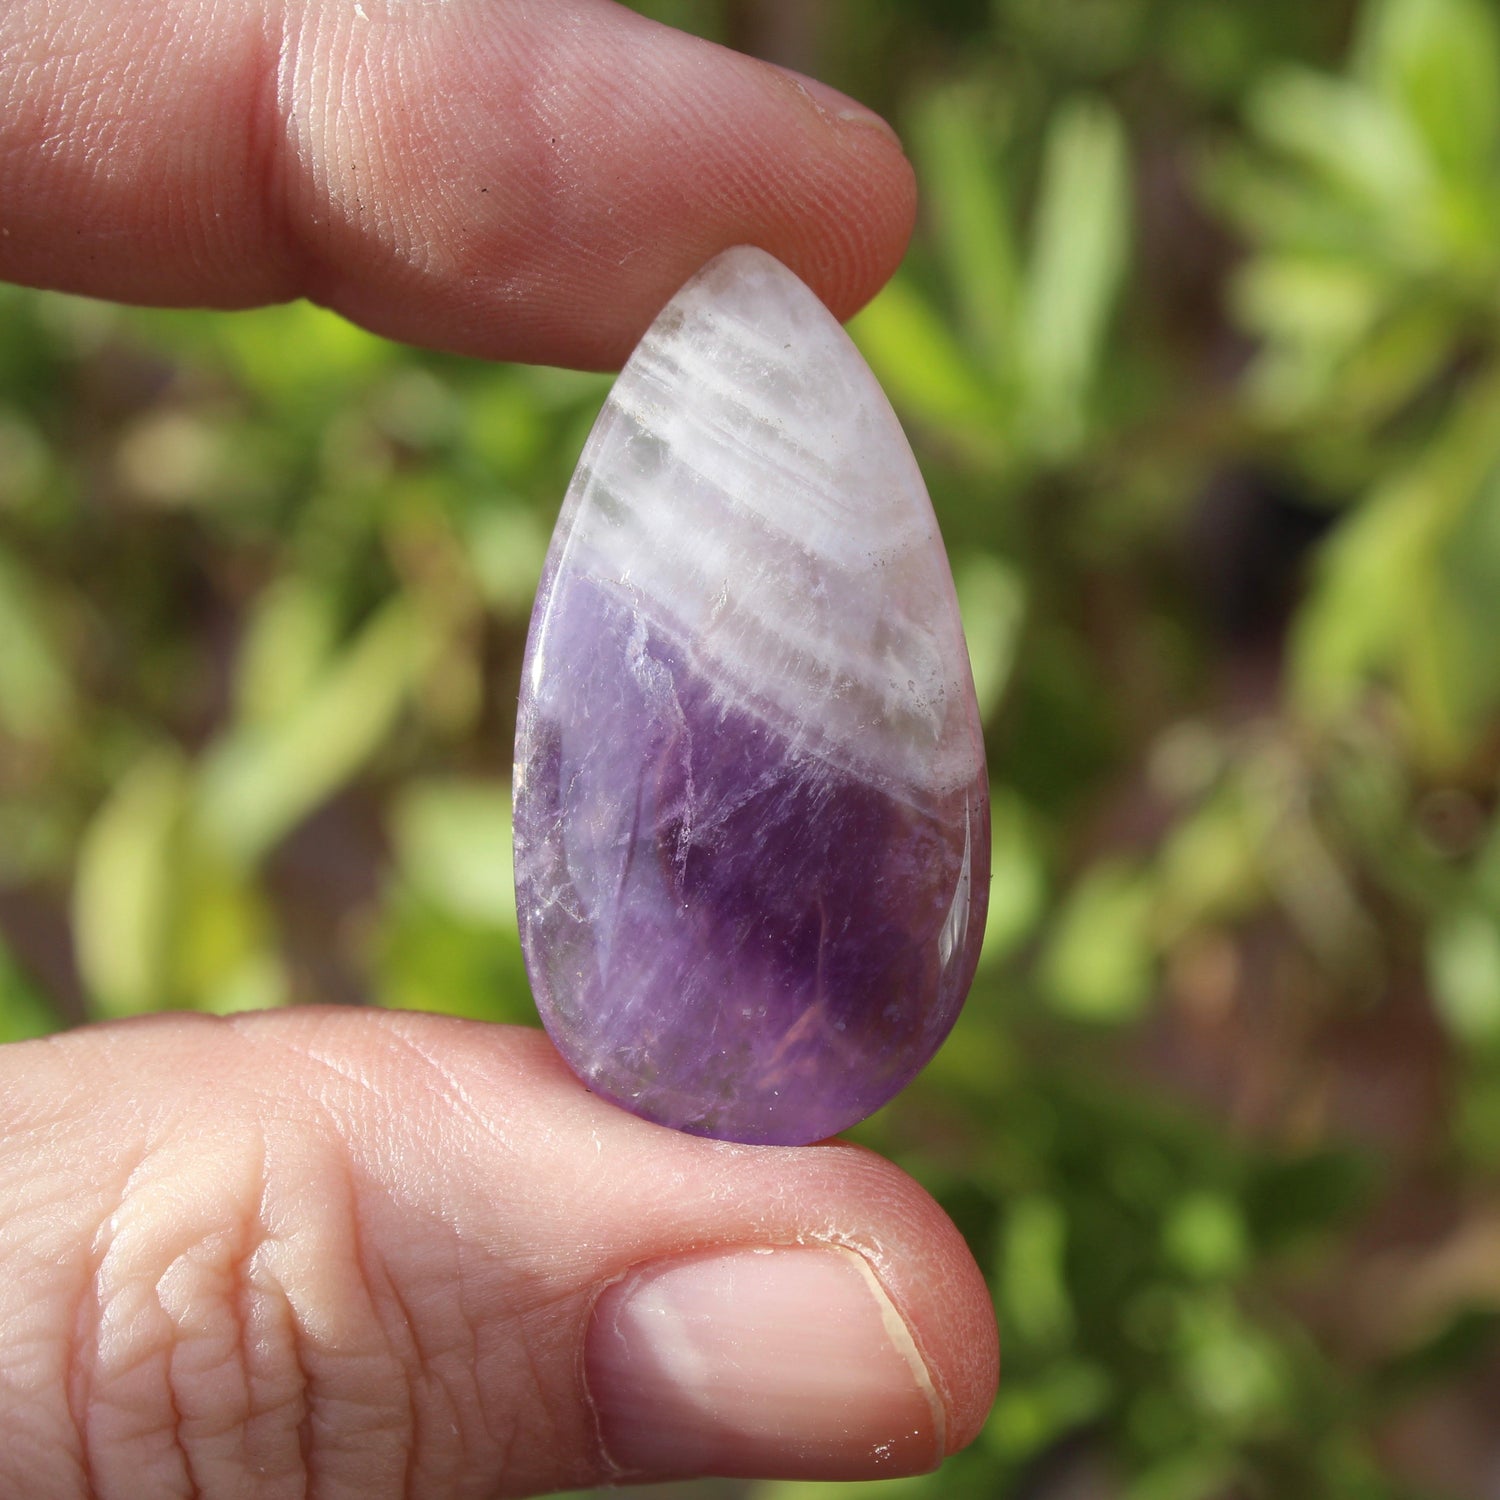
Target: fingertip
<point>930,1274</point>
<point>880,226</point>
<point>846,229</point>
<point>627,155</point>
<point>657,1198</point>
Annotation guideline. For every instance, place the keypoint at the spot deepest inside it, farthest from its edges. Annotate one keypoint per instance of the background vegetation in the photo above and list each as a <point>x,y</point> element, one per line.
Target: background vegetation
<point>1199,346</point>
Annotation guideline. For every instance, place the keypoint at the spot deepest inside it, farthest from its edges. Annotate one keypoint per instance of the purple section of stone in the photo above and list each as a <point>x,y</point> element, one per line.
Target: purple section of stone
<point>725,934</point>
<point>752,822</point>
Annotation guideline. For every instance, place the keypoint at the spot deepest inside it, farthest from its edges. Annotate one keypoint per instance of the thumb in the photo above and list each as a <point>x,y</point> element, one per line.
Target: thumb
<point>366,1255</point>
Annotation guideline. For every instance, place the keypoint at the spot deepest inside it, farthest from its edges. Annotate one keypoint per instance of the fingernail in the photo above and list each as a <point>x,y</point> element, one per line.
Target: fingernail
<point>777,1364</point>
<point>837,107</point>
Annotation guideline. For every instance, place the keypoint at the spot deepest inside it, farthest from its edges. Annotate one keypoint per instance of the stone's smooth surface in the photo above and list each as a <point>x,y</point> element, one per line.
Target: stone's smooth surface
<point>752,816</point>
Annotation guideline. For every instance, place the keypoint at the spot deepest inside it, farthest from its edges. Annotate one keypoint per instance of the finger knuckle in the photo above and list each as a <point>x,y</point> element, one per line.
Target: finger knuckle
<point>227,1333</point>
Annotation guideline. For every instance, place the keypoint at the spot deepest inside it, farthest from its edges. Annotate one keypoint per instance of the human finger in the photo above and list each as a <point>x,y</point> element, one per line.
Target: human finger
<point>497,178</point>
<point>369,1254</point>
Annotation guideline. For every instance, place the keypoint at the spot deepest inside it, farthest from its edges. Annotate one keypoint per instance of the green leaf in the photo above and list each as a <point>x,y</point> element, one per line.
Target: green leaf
<point>24,1011</point>
<point>1033,1275</point>
<point>26,466</point>
<point>992,601</point>
<point>1079,245</point>
<point>1404,353</point>
<point>1315,312</point>
<point>263,779</point>
<point>1204,1234</point>
<point>1208,869</point>
<point>506,547</point>
<point>503,424</point>
<point>1357,144</point>
<point>917,1487</point>
<point>1321,301</point>
<point>1098,964</point>
<point>453,843</point>
<point>1468,583</point>
<point>1440,60</point>
<point>287,642</point>
<point>221,955</point>
<point>1463,961</point>
<point>1353,621</point>
<point>428,959</point>
<point>1302,1197</point>
<point>161,921</point>
<point>1486,869</point>
<point>922,367</point>
<point>1406,591</point>
<point>333,360</point>
<point>1018,879</point>
<point>1282,210</point>
<point>1232,1370</point>
<point>122,896</point>
<point>1033,1413</point>
<point>35,695</point>
<point>955,148</point>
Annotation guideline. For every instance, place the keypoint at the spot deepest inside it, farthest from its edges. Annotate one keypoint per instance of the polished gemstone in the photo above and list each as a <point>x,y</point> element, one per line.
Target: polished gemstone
<point>752,821</point>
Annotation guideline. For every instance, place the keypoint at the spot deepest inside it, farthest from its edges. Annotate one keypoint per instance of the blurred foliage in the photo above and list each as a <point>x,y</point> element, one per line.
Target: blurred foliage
<point>1199,346</point>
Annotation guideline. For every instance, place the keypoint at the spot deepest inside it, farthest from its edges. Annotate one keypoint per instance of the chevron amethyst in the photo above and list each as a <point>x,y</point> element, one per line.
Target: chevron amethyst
<point>752,820</point>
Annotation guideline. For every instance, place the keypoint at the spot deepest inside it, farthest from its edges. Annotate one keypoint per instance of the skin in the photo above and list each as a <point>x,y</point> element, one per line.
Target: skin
<point>349,1253</point>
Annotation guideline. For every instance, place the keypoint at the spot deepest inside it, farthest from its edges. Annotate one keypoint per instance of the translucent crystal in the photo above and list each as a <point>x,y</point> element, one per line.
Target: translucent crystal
<point>752,822</point>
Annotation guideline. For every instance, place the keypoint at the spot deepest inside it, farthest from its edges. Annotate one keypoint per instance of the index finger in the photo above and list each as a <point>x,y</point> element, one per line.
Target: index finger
<point>485,176</point>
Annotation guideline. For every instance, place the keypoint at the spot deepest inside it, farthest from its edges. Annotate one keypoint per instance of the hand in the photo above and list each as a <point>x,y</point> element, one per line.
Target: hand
<point>340,1253</point>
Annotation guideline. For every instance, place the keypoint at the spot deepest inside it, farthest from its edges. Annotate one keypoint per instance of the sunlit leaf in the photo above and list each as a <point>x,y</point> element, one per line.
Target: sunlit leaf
<point>1208,869</point>
<point>1357,143</point>
<point>122,897</point>
<point>333,356</point>
<point>1463,959</point>
<point>957,151</point>
<point>918,1487</point>
<point>506,546</point>
<point>1205,1234</point>
<point>287,642</point>
<point>428,959</point>
<point>1284,211</point>
<point>1468,578</point>
<point>1099,960</point>
<point>921,365</point>
<point>264,778</point>
<point>1233,1370</point>
<point>1441,60</point>
<point>1406,592</point>
<point>1018,880</point>
<point>34,689</point>
<point>221,954</point>
<point>1352,624</point>
<point>992,600</point>
<point>1079,246</point>
<point>453,842</point>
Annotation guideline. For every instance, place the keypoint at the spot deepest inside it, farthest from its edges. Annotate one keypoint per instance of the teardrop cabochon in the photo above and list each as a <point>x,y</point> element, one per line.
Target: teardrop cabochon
<point>752,813</point>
